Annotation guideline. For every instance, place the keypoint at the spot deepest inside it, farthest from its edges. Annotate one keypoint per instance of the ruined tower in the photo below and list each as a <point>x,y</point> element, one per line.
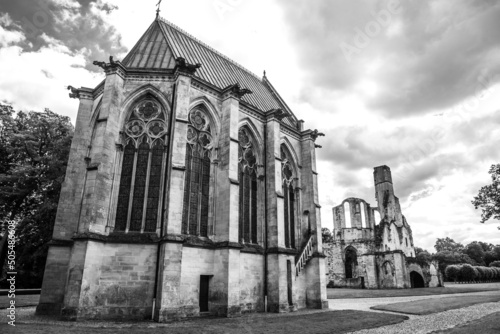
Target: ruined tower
<point>371,253</point>
<point>388,204</point>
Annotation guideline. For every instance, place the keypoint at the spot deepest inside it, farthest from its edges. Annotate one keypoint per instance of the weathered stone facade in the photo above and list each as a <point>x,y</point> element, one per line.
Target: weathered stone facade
<point>190,188</point>
<point>364,254</point>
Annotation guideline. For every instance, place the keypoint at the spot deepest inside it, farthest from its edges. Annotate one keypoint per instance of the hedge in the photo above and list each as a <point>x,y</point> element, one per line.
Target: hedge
<point>465,273</point>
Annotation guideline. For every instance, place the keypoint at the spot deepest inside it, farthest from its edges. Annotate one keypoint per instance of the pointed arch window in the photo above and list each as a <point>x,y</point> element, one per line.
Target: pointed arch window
<point>197,177</point>
<point>289,199</point>
<point>140,193</point>
<point>247,168</point>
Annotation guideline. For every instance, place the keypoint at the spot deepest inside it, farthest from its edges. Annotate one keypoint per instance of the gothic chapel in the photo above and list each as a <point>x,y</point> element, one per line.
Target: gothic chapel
<point>191,189</point>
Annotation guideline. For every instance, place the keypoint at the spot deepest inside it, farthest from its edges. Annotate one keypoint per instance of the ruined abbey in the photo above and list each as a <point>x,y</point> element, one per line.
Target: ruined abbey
<point>191,188</point>
<point>375,253</point>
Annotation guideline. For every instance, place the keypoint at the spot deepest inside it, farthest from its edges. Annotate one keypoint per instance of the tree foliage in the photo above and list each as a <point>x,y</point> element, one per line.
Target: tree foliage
<point>448,244</point>
<point>495,264</point>
<point>34,149</point>
<point>326,235</point>
<point>488,197</point>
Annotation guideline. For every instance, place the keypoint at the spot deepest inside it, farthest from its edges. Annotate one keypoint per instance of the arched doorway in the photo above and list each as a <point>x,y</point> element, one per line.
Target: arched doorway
<point>351,262</point>
<point>417,281</point>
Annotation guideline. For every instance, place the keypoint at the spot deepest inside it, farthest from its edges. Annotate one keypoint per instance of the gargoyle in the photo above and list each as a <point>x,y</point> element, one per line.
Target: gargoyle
<point>182,65</point>
<point>238,91</point>
<point>315,134</point>
<point>75,92</point>
<point>104,65</point>
<point>279,114</point>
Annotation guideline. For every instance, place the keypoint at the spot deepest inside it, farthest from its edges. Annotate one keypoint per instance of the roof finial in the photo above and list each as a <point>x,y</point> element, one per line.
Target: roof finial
<point>158,9</point>
<point>264,73</point>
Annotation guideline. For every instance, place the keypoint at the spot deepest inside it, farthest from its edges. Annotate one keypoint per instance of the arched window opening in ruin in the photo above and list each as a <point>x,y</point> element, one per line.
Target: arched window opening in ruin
<point>351,262</point>
<point>197,177</point>
<point>416,280</point>
<point>140,193</point>
<point>247,168</point>
<point>377,217</point>
<point>288,197</point>
<point>363,218</point>
<point>347,215</point>
<point>406,239</point>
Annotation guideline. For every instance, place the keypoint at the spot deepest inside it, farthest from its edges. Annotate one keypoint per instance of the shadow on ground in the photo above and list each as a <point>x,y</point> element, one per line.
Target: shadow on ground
<point>292,323</point>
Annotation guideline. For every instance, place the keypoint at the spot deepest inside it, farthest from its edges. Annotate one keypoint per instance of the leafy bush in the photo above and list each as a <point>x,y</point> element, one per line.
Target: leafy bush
<point>452,272</point>
<point>468,273</point>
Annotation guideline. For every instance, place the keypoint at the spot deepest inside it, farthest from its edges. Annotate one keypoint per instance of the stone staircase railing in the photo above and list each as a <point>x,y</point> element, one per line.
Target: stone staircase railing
<point>304,257</point>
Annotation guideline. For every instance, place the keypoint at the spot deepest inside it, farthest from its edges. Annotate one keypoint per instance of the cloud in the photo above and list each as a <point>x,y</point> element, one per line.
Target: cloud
<point>80,26</point>
<point>426,55</point>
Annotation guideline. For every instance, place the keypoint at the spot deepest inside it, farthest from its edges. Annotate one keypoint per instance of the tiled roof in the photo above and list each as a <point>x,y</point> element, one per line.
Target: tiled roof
<point>163,42</point>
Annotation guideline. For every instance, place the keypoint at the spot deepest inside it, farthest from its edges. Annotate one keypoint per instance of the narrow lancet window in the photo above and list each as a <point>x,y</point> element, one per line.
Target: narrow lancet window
<point>289,199</point>
<point>197,177</point>
<point>247,168</point>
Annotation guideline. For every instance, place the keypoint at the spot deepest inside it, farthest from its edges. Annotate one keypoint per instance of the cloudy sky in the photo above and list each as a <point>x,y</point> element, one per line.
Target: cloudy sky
<point>414,85</point>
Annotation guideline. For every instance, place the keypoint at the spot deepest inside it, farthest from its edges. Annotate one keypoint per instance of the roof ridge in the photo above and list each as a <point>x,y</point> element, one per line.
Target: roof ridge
<point>208,47</point>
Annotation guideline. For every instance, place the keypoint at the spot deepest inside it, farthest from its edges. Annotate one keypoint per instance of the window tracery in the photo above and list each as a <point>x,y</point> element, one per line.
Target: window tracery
<point>247,168</point>
<point>289,199</point>
<point>197,178</point>
<point>139,194</point>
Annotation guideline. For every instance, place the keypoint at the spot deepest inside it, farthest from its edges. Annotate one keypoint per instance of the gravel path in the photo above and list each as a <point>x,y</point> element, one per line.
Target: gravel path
<point>419,324</point>
<point>437,321</point>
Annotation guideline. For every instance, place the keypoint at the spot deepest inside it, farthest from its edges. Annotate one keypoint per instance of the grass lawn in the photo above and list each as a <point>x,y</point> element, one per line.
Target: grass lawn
<point>434,305</point>
<point>291,323</point>
<point>487,325</point>
<point>450,288</point>
<point>21,301</point>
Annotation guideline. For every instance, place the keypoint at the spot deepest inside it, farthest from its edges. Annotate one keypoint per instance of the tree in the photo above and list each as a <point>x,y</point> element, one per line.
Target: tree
<point>34,152</point>
<point>326,235</point>
<point>424,257</point>
<point>476,252</point>
<point>488,197</point>
<point>452,272</point>
<point>419,250</point>
<point>468,273</point>
<point>495,264</point>
<point>446,258</point>
<point>448,244</point>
